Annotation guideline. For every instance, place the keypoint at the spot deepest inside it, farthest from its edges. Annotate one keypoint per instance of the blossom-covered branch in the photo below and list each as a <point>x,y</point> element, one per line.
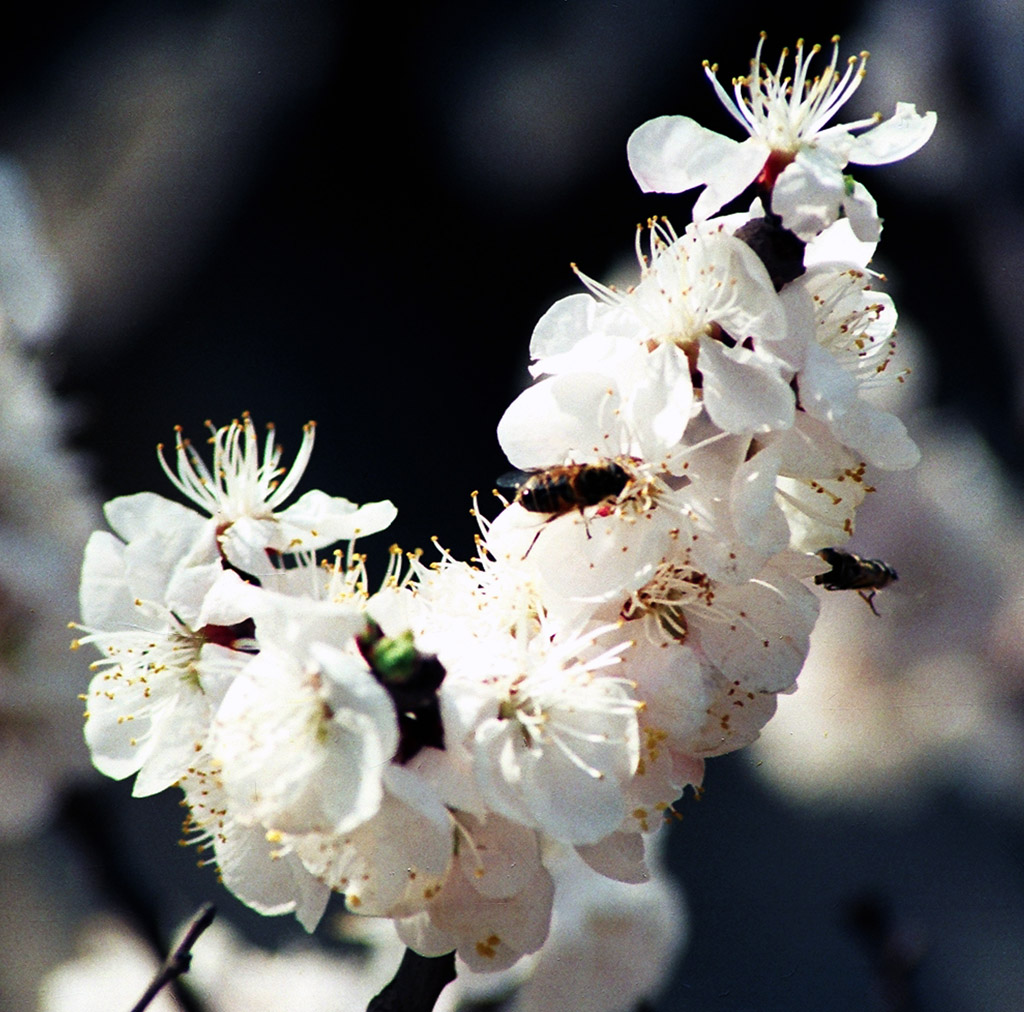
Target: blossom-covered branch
<point>438,747</point>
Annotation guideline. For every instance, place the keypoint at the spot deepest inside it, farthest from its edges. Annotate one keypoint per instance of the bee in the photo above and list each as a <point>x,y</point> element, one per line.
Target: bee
<point>558,490</point>
<point>567,487</point>
<point>851,572</point>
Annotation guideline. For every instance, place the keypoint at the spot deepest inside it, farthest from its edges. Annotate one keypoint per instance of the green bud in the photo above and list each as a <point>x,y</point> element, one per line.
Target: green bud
<point>395,658</point>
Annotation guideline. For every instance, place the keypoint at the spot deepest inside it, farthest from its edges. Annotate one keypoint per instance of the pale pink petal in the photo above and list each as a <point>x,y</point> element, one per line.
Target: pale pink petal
<point>619,856</point>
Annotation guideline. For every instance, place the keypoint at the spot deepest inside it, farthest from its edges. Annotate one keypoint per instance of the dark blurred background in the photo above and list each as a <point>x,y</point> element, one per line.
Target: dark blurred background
<point>356,214</point>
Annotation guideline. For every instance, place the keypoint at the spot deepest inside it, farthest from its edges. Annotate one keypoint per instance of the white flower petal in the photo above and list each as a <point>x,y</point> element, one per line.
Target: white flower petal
<point>271,883</point>
<point>491,934</point>
<point>743,392</point>
<point>503,856</point>
<point>862,212</point>
<point>735,720</point>
<point>765,648</point>
<point>163,539</point>
<point>820,512</point>
<point>389,866</point>
<point>266,877</point>
<point>317,520</point>
<point>419,933</point>
<point>880,436</point>
<point>598,803</point>
<point>561,419</point>
<point>174,741</point>
<point>593,557</point>
<point>810,191</point>
<point>661,404</point>
<point>746,304</point>
<point>146,514</point>
<point>898,137</point>
<point>134,724</point>
<point>559,329</point>
<point>755,515</point>
<point>730,177</point>
<point>827,390</point>
<point>299,755</point>
<point>610,943</point>
<point>809,450</point>
<point>105,599</point>
<point>671,154</point>
<point>245,543</point>
<point>838,244</point>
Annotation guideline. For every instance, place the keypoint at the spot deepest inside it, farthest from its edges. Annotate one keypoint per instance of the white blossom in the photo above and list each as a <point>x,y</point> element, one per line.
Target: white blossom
<point>392,864</point>
<point>850,358</point>
<point>792,151</point>
<point>495,904</point>
<point>244,488</point>
<point>250,860</point>
<point>704,305</point>
<point>610,944</point>
<point>303,740</point>
<point>162,675</point>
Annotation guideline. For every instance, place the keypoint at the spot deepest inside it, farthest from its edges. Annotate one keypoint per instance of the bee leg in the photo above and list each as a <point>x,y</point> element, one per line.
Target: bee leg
<point>586,525</point>
<point>537,535</point>
<point>532,543</point>
<point>869,596</point>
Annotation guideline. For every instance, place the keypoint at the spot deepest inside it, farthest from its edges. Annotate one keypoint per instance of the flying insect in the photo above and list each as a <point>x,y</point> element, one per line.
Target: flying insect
<point>851,572</point>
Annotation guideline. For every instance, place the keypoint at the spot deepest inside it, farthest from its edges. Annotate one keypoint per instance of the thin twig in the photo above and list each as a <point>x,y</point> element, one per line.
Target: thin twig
<point>90,817</point>
<point>180,959</point>
<point>416,985</point>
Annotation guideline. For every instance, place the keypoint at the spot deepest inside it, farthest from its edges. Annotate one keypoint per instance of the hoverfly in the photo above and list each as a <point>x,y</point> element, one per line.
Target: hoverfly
<point>564,488</point>
<point>851,572</point>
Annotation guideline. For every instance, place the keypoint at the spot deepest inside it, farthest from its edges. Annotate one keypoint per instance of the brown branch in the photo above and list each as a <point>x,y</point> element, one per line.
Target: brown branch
<point>180,959</point>
<point>416,985</point>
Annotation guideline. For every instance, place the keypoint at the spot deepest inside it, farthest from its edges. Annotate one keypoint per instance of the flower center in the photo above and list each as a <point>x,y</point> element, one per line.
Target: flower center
<point>665,598</point>
<point>787,113</point>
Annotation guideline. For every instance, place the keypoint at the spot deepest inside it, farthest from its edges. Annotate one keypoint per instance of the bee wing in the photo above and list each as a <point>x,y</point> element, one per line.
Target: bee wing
<point>512,481</point>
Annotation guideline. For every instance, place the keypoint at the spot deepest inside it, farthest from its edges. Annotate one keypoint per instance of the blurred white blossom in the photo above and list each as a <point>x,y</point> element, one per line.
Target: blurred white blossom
<point>47,509</point>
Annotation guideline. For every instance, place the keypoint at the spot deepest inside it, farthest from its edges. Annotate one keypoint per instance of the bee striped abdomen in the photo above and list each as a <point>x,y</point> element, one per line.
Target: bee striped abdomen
<point>558,490</point>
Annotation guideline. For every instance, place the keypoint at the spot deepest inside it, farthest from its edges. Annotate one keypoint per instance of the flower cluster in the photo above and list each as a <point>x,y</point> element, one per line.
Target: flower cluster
<point>433,749</point>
